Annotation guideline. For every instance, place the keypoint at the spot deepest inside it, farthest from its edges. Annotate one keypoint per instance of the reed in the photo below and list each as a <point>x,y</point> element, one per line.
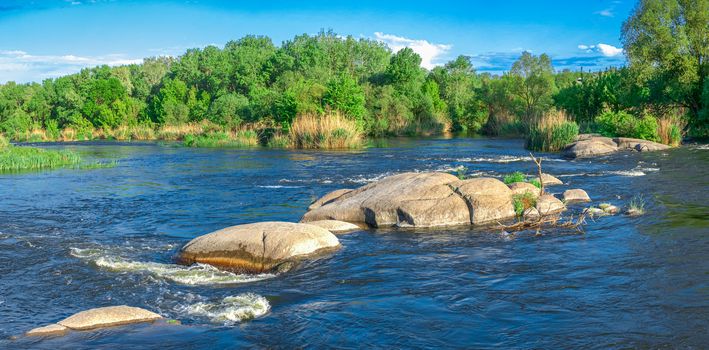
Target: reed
<point>329,131</point>
<point>669,130</point>
<point>551,132</point>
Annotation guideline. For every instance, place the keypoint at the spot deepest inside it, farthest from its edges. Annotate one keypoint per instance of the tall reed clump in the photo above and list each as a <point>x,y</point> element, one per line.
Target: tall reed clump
<point>329,131</point>
<point>551,132</point>
<point>236,139</point>
<point>669,130</point>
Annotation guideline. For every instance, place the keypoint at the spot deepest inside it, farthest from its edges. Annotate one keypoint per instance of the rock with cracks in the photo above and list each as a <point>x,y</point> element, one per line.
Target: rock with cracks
<point>259,247</point>
<point>420,200</point>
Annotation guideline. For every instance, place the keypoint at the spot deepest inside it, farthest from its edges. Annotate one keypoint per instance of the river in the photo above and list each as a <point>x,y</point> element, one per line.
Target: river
<point>77,239</point>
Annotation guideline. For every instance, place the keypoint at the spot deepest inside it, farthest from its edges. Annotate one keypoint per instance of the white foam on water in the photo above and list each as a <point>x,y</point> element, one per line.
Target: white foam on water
<point>230,310</point>
<point>631,173</point>
<point>279,186</point>
<point>504,159</point>
<point>197,274</point>
<point>703,147</point>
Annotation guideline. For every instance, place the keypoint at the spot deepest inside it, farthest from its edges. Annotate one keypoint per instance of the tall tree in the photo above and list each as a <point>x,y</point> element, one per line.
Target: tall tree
<point>534,83</point>
<point>667,44</point>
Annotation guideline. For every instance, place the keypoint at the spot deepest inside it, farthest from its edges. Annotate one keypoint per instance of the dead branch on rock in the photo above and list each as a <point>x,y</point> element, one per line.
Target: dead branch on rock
<point>538,162</point>
<point>547,221</point>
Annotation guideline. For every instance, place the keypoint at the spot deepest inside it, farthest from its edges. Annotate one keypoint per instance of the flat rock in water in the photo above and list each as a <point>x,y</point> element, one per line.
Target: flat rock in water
<point>549,180</point>
<point>639,144</point>
<point>419,200</point>
<point>590,146</point>
<point>576,195</point>
<point>335,226</point>
<point>108,317</point>
<point>52,329</point>
<point>523,187</point>
<point>548,204</point>
<point>259,247</point>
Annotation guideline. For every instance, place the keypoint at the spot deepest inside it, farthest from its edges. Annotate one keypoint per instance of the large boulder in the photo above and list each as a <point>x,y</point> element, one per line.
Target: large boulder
<point>590,147</point>
<point>547,204</point>
<point>98,318</point>
<point>488,199</point>
<point>259,247</point>
<point>420,200</point>
<point>328,198</point>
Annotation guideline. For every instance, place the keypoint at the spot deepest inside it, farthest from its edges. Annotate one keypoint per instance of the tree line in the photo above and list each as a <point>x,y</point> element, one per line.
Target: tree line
<point>253,83</point>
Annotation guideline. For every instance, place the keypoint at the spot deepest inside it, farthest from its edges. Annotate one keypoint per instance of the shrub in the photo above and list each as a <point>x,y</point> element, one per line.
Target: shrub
<point>52,127</point>
<point>523,202</point>
<point>331,131</point>
<point>551,132</point>
<point>517,176</point>
<point>623,124</point>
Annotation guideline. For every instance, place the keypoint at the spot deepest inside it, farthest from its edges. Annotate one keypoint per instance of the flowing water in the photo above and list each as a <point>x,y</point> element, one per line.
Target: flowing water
<point>77,239</point>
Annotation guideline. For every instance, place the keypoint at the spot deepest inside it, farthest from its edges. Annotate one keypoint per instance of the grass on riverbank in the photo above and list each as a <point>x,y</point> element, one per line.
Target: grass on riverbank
<point>29,158</point>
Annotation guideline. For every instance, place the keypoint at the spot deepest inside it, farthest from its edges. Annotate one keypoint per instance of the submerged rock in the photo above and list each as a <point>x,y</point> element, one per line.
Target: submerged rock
<point>335,226</point>
<point>259,247</point>
<point>97,318</point>
<point>576,195</point>
<point>547,204</point>
<point>52,329</point>
<point>524,187</point>
<point>420,200</point>
<point>591,145</point>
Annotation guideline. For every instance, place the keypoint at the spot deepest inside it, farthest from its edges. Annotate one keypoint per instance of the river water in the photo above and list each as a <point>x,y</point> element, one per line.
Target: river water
<point>77,239</point>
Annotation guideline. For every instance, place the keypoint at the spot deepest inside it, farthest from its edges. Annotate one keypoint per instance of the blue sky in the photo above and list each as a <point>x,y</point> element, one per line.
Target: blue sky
<point>43,39</point>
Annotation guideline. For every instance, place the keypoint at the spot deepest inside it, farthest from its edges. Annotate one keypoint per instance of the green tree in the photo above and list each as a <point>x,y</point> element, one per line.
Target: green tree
<point>344,95</point>
<point>667,44</point>
<point>534,83</point>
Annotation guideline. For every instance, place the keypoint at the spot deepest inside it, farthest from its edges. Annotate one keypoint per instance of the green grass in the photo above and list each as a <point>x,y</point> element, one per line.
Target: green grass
<point>524,201</point>
<point>13,158</point>
<point>99,165</point>
<point>240,139</point>
<point>461,172</point>
<point>535,182</point>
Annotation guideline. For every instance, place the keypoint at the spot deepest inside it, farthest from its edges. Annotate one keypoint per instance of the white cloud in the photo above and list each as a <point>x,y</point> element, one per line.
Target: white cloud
<point>603,49</point>
<point>430,53</point>
<point>20,66</point>
<point>609,50</point>
<point>605,13</point>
